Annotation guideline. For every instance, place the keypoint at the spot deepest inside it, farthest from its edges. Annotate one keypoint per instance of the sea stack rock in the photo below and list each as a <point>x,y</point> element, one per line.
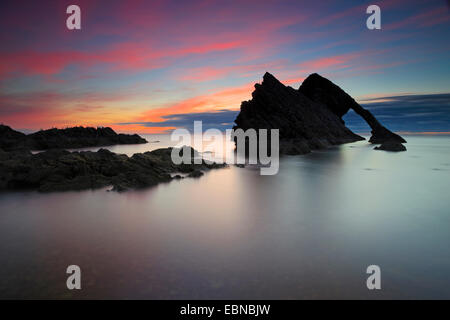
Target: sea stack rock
<point>304,124</point>
<point>308,118</point>
<point>322,90</point>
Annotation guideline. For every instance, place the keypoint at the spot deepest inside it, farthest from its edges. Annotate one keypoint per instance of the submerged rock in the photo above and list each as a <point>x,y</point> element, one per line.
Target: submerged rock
<point>69,138</point>
<point>61,170</point>
<point>195,174</point>
<point>391,146</point>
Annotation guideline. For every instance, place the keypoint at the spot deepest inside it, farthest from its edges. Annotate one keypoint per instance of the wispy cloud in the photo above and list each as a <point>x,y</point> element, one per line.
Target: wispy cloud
<point>221,119</point>
<point>428,18</point>
<point>414,113</point>
<point>140,61</point>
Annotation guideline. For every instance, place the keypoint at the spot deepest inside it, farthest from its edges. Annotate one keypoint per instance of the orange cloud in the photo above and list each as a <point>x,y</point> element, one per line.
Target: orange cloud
<point>139,129</point>
<point>294,81</point>
<point>51,109</point>
<point>229,98</point>
<point>333,62</point>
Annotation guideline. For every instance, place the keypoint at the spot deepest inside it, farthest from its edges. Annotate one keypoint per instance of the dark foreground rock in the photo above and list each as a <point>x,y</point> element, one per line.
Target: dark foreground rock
<point>61,170</point>
<point>69,138</point>
<point>10,139</point>
<point>391,146</point>
<point>308,118</point>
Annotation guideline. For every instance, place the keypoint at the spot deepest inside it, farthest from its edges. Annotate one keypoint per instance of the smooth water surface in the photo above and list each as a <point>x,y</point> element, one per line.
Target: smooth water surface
<point>308,232</point>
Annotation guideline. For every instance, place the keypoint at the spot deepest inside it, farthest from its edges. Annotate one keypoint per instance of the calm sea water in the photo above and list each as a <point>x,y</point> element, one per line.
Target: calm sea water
<point>308,232</point>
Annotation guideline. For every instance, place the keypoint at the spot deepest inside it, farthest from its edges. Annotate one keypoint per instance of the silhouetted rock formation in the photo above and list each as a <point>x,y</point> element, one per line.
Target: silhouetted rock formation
<point>391,146</point>
<point>322,90</point>
<point>308,118</point>
<point>9,138</point>
<point>61,170</point>
<point>304,124</point>
<point>76,137</point>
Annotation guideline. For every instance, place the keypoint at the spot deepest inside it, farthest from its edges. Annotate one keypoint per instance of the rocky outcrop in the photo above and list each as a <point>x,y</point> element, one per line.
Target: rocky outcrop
<point>303,124</point>
<point>69,138</point>
<point>308,118</point>
<point>9,138</point>
<point>322,90</point>
<point>391,146</point>
<point>61,170</point>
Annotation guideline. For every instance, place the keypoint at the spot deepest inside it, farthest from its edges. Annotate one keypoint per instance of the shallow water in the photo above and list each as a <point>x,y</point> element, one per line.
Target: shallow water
<point>308,232</point>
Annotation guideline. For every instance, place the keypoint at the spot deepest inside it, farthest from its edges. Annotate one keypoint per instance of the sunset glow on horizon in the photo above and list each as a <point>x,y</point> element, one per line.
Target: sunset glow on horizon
<point>134,65</point>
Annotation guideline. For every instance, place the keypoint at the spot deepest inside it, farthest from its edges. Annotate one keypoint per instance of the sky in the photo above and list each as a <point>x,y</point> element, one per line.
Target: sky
<point>152,66</point>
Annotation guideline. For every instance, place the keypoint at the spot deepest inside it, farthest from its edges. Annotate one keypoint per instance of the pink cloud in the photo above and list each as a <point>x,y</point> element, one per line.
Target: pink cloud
<point>158,33</point>
<point>226,98</point>
<point>210,73</point>
<point>125,56</point>
<point>332,62</point>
